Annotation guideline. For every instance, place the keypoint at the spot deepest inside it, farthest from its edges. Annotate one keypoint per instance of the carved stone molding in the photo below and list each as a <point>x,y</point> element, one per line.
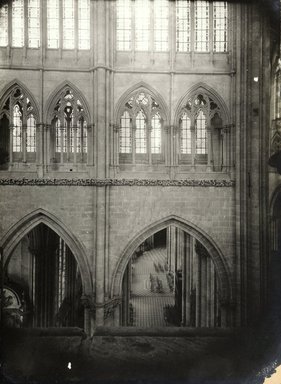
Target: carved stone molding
<point>89,302</point>
<point>110,306</point>
<point>117,182</point>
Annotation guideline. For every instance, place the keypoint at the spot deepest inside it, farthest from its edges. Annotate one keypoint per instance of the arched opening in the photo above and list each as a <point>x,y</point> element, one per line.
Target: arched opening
<point>171,280</point>
<point>44,275</point>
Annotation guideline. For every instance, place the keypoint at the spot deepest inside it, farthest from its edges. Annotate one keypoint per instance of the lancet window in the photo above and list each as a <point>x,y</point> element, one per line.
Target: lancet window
<point>18,127</point>
<point>69,129</point>
<point>141,130</point>
<point>203,136</point>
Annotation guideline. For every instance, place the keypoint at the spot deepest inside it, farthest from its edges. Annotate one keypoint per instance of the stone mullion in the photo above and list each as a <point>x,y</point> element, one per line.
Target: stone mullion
<point>61,130</point>
<point>76,31</point>
<point>166,151</point>
<point>209,148</point>
<point>148,140</point>
<point>24,141</point>
<point>10,31</point>
<point>24,132</point>
<point>193,142</point>
<point>45,146</point>
<point>75,137</point>
<point>25,15</point>
<point>134,140</point>
<point>11,129</point>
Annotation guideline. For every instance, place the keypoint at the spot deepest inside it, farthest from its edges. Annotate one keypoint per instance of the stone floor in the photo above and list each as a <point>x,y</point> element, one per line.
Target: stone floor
<point>148,305</point>
<point>194,359</point>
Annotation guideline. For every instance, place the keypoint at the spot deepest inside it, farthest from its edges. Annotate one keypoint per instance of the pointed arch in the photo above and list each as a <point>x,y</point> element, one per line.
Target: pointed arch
<point>7,90</point>
<point>139,87</point>
<point>16,233</point>
<point>226,287</point>
<point>53,98</point>
<point>209,91</point>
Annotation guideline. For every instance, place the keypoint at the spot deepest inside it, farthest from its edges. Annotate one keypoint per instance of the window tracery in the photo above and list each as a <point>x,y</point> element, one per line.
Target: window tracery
<point>141,129</point>
<point>201,131</point>
<point>18,117</point>
<point>69,129</point>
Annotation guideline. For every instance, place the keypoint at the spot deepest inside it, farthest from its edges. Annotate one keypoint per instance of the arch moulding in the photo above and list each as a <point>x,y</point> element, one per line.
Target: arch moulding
<point>141,86</point>
<point>204,88</point>
<point>17,83</point>
<point>16,233</point>
<point>225,281</point>
<point>53,98</point>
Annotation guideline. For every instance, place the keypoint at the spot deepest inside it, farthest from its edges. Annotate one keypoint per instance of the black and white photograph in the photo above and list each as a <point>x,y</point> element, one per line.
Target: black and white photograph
<point>140,192</point>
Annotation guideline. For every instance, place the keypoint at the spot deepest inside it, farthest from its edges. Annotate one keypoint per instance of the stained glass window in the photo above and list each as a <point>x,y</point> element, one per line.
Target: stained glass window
<point>124,25</point>
<point>161,25</point>
<point>142,25</point>
<point>125,142</point>
<point>185,142</point>
<point>201,134</point>
<point>201,26</point>
<point>68,24</point>
<point>18,23</point>
<point>53,23</point>
<point>156,134</point>
<point>33,23</point>
<point>83,24</point>
<point>140,133</point>
<point>183,28</point>
<point>220,26</point>
<point>4,25</point>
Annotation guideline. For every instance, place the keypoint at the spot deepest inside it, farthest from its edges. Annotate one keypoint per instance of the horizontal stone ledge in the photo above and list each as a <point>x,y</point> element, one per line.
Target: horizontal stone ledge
<point>117,182</point>
<point>47,332</point>
<point>164,331</point>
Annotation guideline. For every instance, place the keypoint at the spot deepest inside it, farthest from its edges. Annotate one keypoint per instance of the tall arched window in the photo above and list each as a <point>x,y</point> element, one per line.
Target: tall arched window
<point>18,127</point>
<point>203,138</point>
<point>141,130</point>
<point>68,134</point>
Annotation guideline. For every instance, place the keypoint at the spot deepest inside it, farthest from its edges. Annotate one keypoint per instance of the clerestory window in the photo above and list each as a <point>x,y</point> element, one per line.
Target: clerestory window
<point>201,26</point>
<point>142,25</point>
<point>141,130</point>
<point>22,19</point>
<point>69,129</point>
<point>67,22</point>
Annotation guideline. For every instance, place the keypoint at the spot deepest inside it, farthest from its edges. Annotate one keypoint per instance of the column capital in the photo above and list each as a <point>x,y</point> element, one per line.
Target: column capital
<point>89,302</point>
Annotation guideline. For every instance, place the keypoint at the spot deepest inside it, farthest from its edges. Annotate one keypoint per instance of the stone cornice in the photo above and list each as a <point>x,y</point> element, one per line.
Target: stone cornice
<point>117,182</point>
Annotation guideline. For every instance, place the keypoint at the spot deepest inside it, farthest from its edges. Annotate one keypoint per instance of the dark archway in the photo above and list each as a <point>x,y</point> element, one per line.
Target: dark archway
<point>45,275</point>
<point>22,229</point>
<point>208,247</point>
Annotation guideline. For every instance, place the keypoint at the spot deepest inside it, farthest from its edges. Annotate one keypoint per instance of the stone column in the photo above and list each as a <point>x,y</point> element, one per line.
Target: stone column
<point>198,291</point>
<point>203,309</point>
<point>101,155</point>
<point>186,279</point>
